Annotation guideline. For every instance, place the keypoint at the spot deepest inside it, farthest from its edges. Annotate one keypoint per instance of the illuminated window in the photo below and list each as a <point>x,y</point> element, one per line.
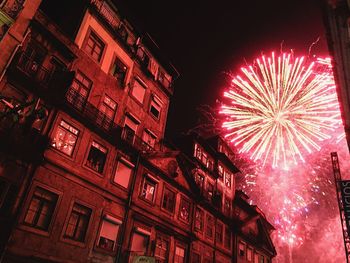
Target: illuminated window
<point>209,191</point>
<point>256,258</point>
<point>227,238</point>
<point>209,230</point>
<point>79,91</point>
<point>199,220</point>
<point>249,254</point>
<point>65,138</point>
<point>179,255</point>
<point>221,171</point>
<point>162,249</point>
<point>199,179</point>
<point>228,179</point>
<point>97,157</point>
<point>148,189</point>
<point>219,233</point>
<point>119,70</point>
<point>94,46</point>
<point>169,199</point>
<point>241,249</point>
<point>155,107</point>
<point>123,172</point>
<point>108,233</point>
<point>78,223</point>
<point>40,209</point>
<point>138,91</point>
<point>184,209</point>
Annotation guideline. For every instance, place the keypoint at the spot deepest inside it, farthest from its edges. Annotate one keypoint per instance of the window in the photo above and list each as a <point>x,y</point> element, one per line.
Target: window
<point>97,157</point>
<point>228,178</point>
<point>41,208</point>
<point>219,233</point>
<point>148,189</point>
<point>241,248</point>
<point>199,179</point>
<point>161,250</point>
<point>169,199</point>
<point>209,231</point>
<point>130,128</point>
<point>196,258</point>
<point>262,259</point>
<point>249,254</point>
<point>119,71</point>
<point>79,91</point>
<point>108,108</point>
<point>138,91</point>
<point>149,138</point>
<point>210,191</point>
<point>256,258</point>
<point>94,46</point>
<point>139,243</point>
<point>108,233</point>
<point>78,223</point>
<point>227,239</point>
<point>199,217</point>
<point>221,171</point>
<point>155,107</point>
<point>123,172</point>
<point>197,151</point>
<point>65,138</point>
<point>184,210</point>
<point>227,206</point>
<point>179,255</point>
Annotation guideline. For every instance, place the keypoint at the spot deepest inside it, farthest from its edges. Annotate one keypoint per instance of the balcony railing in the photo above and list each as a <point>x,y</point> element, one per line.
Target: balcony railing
<point>79,103</point>
<point>128,135</point>
<point>33,69</point>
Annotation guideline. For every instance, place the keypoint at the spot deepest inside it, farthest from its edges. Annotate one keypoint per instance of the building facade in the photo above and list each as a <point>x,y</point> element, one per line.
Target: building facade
<point>84,173</point>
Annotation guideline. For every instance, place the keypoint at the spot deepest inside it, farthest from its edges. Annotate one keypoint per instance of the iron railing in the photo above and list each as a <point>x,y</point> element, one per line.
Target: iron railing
<point>33,69</point>
<point>128,135</point>
<point>89,111</point>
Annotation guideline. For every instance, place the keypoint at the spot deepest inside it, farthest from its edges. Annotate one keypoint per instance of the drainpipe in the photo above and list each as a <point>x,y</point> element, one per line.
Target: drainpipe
<point>127,211</point>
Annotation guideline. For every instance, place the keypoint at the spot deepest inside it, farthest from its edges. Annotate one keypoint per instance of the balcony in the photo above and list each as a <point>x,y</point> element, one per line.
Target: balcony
<point>133,142</point>
<point>92,116</point>
<point>44,83</point>
<point>20,141</point>
<point>111,19</point>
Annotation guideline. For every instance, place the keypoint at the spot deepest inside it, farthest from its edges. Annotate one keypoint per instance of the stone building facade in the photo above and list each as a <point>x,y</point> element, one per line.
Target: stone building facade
<point>84,173</point>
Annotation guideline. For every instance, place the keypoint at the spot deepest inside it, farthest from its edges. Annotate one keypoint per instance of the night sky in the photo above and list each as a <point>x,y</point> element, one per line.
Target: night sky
<point>205,40</point>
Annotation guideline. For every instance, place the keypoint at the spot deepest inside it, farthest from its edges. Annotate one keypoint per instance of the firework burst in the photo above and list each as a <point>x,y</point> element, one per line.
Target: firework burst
<point>281,107</point>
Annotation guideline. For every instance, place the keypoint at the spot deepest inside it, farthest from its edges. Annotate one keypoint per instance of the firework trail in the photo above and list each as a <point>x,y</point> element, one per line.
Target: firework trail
<point>283,118</point>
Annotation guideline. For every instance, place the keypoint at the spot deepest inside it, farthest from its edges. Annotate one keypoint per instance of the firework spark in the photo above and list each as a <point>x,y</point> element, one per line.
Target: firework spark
<point>282,107</point>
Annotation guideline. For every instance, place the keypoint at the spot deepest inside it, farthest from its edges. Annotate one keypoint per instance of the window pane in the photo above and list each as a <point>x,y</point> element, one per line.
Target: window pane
<point>78,222</point>
<point>122,174</point>
<point>108,235</point>
<point>65,138</point>
<point>184,210</point>
<point>139,244</point>
<point>97,157</point>
<point>168,200</point>
<point>179,255</point>
<point>40,210</point>
<point>148,189</point>
<point>138,91</point>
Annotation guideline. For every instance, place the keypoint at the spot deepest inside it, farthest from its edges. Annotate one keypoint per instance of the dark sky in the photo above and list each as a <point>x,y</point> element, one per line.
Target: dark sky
<point>206,39</point>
